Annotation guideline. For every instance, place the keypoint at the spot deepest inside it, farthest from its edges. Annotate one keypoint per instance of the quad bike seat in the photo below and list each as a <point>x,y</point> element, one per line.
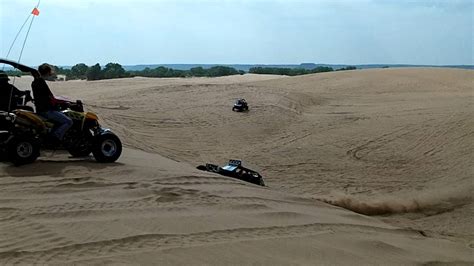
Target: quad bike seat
<point>28,118</point>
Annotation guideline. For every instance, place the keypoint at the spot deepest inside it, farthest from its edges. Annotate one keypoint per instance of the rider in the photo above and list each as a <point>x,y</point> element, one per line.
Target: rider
<point>46,103</point>
<point>9,93</point>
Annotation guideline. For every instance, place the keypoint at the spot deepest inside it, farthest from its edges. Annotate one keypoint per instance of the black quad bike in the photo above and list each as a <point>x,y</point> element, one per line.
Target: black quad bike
<point>234,169</point>
<point>24,133</point>
<point>240,105</point>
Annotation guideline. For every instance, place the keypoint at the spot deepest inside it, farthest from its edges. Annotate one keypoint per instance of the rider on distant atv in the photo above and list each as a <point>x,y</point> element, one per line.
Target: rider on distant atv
<point>45,103</point>
<point>240,105</point>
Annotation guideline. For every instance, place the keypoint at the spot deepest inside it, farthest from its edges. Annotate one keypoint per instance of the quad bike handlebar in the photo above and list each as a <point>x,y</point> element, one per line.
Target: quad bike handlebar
<point>61,103</point>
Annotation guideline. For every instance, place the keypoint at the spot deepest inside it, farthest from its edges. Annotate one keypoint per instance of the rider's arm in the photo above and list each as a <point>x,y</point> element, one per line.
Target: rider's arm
<point>18,92</point>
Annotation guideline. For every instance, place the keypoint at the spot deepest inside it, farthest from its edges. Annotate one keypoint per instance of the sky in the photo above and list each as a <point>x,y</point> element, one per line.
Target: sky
<point>131,32</point>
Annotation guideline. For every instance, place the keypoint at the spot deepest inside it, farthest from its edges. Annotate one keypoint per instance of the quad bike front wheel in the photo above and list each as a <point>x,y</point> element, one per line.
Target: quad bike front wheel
<point>107,148</point>
<point>22,150</point>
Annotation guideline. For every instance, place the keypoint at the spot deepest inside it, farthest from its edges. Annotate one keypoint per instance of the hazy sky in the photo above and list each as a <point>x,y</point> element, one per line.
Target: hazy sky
<point>241,31</point>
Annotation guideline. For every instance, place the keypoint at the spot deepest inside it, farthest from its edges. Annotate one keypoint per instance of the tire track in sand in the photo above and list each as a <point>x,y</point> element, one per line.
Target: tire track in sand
<point>150,242</point>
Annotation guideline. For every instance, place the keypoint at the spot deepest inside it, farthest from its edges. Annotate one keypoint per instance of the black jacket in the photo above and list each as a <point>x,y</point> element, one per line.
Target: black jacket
<point>42,95</point>
<point>8,96</point>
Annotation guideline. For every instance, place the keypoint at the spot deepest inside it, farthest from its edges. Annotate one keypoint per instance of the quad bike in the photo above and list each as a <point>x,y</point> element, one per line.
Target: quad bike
<point>24,133</point>
<point>240,105</point>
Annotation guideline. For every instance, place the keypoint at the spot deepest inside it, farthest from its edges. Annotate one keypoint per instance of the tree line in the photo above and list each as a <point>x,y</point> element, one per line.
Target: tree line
<point>165,72</point>
<point>115,70</point>
<point>95,72</point>
<point>295,71</point>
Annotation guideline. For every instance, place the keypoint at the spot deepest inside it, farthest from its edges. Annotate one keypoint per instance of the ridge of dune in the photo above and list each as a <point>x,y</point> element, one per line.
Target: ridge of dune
<point>395,144</point>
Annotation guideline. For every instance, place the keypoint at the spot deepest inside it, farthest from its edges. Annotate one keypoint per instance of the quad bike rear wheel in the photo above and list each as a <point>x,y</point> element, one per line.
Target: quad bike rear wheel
<point>22,150</point>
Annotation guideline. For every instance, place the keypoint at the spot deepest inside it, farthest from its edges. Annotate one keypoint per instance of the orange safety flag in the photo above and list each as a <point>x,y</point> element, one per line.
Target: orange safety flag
<point>35,11</point>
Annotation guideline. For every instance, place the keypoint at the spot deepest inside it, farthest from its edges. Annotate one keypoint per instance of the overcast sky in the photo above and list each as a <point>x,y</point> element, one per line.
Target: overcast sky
<point>131,32</point>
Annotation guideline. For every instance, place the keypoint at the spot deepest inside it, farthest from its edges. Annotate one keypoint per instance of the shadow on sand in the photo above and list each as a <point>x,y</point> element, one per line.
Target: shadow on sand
<point>55,165</point>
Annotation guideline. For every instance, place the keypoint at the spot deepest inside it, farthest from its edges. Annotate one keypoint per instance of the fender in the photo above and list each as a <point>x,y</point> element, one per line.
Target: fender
<point>101,131</point>
<point>104,131</point>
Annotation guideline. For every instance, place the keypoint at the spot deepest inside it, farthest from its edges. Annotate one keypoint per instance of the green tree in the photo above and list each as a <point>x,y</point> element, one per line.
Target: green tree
<point>197,72</point>
<point>94,72</point>
<point>288,71</point>
<point>62,71</point>
<point>113,70</point>
<point>219,71</point>
<point>322,69</point>
<point>79,71</point>
<point>164,72</point>
<point>347,68</point>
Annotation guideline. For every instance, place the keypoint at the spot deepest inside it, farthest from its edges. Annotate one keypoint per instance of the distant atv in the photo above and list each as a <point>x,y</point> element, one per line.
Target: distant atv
<point>235,169</point>
<point>240,105</point>
<point>23,133</point>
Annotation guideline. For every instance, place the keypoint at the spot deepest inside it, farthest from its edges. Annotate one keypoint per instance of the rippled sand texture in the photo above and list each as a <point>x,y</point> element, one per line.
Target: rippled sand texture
<point>392,147</point>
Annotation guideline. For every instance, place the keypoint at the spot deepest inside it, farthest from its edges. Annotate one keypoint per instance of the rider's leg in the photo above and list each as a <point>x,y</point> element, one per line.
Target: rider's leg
<point>61,121</point>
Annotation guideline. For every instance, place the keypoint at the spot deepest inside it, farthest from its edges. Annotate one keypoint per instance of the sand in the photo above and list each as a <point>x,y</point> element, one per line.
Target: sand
<point>362,167</point>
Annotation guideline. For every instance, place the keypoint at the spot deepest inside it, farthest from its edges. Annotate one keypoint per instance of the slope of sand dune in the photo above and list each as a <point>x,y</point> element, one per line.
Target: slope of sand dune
<point>147,209</point>
<point>392,143</point>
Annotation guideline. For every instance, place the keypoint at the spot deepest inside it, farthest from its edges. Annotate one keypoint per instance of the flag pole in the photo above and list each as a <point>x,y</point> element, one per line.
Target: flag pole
<point>34,12</point>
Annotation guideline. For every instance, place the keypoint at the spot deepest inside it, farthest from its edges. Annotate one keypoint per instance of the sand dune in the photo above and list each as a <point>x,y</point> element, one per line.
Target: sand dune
<point>395,144</point>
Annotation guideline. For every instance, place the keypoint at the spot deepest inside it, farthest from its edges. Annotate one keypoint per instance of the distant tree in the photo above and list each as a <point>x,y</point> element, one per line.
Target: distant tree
<point>15,73</point>
<point>288,71</point>
<point>113,70</point>
<point>322,69</point>
<point>347,68</point>
<point>219,71</point>
<point>145,72</point>
<point>79,71</point>
<point>164,72</point>
<point>94,72</point>
<point>197,72</point>
<point>61,71</point>
<point>161,72</point>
